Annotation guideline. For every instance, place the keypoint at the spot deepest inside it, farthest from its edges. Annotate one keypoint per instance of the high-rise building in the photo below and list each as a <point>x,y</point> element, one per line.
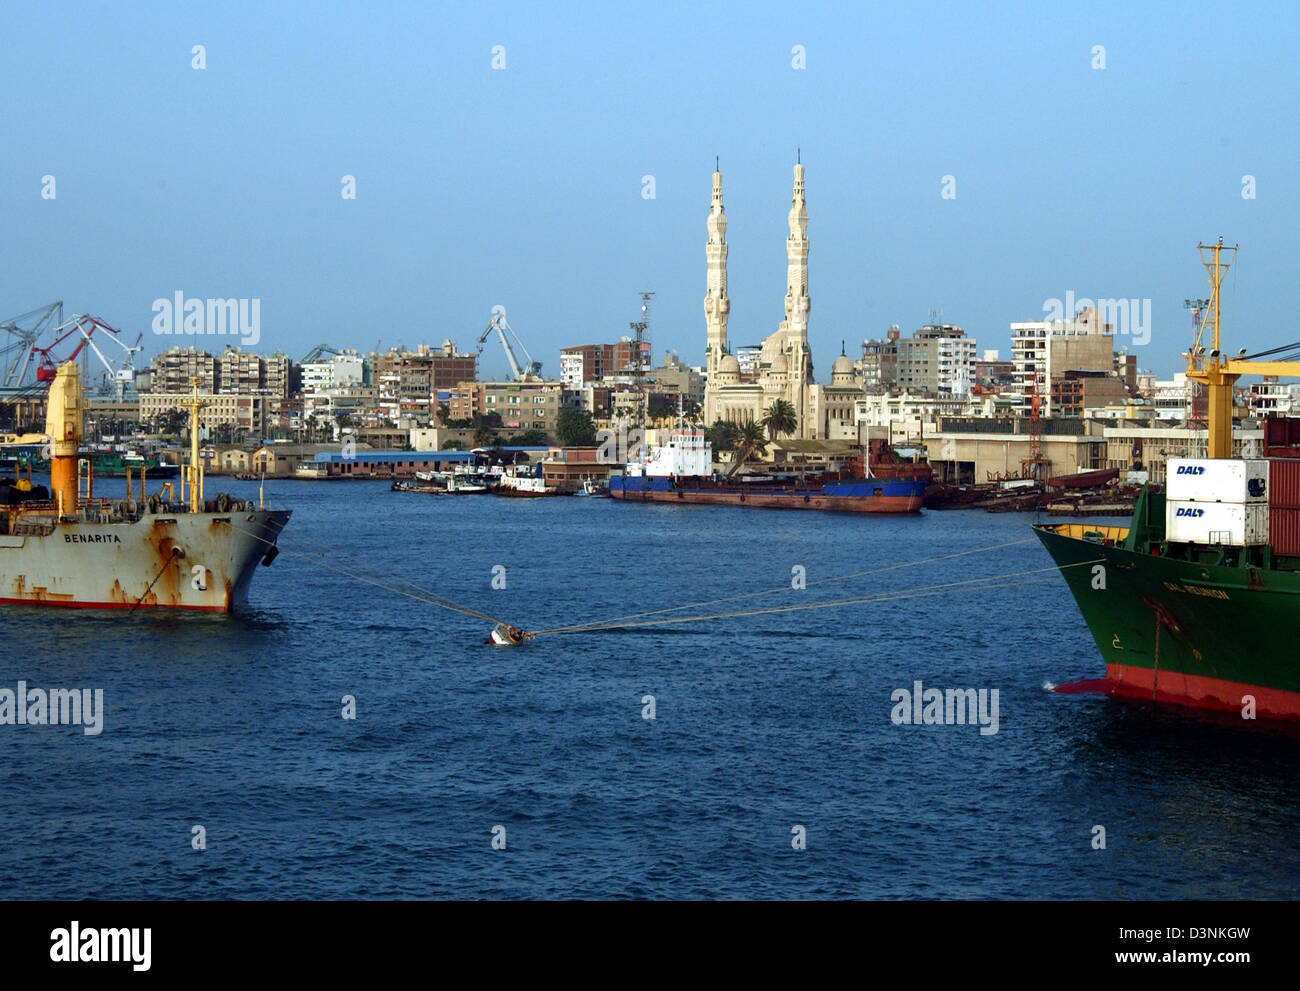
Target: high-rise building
<point>937,360</point>
<point>1042,349</point>
<point>407,381</point>
<point>596,362</point>
<point>172,371</point>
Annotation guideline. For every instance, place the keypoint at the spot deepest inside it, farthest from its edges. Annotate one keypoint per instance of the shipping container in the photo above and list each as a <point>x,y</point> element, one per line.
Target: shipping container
<point>1217,480</point>
<point>1284,531</point>
<point>1232,523</point>
<point>1282,435</point>
<point>1284,484</point>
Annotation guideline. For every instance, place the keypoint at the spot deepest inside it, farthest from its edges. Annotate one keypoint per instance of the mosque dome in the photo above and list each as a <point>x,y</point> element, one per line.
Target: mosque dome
<point>728,369</point>
<point>842,369</point>
<point>780,364</point>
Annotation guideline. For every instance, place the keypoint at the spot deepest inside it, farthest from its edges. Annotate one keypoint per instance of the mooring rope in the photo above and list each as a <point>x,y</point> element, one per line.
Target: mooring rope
<point>421,594</point>
<point>973,584</point>
<point>784,588</point>
<point>410,589</point>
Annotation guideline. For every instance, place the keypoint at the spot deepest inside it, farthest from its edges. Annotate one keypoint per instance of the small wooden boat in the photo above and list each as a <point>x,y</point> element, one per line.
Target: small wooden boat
<point>505,635</point>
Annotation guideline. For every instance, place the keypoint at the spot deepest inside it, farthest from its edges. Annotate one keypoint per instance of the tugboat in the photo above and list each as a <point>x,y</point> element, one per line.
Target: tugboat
<point>523,482</point>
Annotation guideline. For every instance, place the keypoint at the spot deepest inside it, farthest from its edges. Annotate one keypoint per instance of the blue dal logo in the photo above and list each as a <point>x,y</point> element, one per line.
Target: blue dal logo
<point>1189,512</point>
<point>1191,469</point>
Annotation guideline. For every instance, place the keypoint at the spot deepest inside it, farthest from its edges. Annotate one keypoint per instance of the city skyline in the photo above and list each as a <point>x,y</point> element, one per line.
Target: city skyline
<point>525,185</point>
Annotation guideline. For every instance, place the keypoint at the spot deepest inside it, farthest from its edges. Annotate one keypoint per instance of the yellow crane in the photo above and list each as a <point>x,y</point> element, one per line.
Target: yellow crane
<point>1217,373</point>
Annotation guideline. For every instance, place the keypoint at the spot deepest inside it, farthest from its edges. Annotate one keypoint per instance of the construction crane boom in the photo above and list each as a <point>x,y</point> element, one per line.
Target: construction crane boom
<point>320,351</point>
<point>522,373</point>
<point>16,355</point>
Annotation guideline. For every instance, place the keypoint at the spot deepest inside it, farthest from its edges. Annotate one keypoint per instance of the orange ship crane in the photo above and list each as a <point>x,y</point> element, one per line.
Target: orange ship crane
<point>1219,374</point>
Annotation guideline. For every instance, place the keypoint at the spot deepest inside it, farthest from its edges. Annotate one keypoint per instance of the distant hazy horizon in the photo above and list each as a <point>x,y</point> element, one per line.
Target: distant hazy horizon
<point>524,186</point>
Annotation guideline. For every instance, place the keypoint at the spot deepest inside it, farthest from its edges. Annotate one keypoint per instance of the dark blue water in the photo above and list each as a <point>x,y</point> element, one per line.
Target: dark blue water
<point>762,723</point>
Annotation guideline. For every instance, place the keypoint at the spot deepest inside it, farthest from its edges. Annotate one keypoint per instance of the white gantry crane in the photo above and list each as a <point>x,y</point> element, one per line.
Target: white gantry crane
<point>117,381</point>
<point>530,370</point>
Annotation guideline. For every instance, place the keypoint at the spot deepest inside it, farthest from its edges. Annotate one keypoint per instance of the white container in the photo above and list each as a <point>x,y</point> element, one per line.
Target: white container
<point>1217,480</point>
<point>1231,523</point>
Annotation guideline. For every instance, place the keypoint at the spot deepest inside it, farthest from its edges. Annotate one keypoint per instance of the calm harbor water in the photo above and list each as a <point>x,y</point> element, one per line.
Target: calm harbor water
<point>763,723</point>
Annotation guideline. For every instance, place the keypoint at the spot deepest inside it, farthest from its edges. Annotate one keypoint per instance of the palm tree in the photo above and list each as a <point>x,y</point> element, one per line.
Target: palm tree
<point>722,436</point>
<point>780,418</point>
<point>750,440</point>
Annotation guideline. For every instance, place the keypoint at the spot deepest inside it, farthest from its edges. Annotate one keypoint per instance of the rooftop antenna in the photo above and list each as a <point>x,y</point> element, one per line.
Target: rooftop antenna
<point>638,367</point>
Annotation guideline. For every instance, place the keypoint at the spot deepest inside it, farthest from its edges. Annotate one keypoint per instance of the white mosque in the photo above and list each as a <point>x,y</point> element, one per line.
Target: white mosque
<point>785,364</point>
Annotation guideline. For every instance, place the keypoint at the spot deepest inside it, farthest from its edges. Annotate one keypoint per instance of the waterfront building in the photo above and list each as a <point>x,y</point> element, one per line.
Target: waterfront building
<point>241,412</point>
<point>1153,444</point>
<point>968,450</point>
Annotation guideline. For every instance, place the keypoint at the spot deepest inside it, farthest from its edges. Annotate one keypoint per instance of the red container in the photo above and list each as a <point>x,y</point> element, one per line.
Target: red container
<point>1283,484</point>
<point>1282,437</point>
<point>1284,531</point>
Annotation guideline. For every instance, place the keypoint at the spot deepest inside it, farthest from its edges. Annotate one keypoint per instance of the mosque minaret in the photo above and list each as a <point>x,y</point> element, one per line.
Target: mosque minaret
<point>785,362</point>
<point>716,303</point>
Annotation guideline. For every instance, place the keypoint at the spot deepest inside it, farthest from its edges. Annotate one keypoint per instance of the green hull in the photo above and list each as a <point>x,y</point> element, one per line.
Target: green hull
<point>1210,629</point>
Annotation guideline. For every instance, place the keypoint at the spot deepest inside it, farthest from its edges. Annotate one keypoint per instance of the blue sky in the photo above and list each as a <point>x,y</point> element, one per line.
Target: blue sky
<point>523,186</point>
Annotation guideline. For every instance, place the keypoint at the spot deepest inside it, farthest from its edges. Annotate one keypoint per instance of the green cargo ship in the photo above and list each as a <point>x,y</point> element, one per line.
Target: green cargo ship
<point>1192,603</point>
<point>1181,623</point>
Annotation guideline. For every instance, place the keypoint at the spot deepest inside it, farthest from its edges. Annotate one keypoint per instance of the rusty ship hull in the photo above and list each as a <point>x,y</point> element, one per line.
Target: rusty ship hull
<point>873,496</point>
<point>201,561</point>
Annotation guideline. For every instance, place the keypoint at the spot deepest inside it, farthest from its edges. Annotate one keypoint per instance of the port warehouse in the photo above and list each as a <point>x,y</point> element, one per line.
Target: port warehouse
<point>966,449</point>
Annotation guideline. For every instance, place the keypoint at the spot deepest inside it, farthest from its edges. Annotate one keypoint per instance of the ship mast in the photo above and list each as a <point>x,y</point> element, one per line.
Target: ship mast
<point>195,473</point>
<point>1217,374</point>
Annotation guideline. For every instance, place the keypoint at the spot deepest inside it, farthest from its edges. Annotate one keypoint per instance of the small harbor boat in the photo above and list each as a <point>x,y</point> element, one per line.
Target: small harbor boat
<point>593,488</point>
<point>522,482</point>
<point>505,635</point>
